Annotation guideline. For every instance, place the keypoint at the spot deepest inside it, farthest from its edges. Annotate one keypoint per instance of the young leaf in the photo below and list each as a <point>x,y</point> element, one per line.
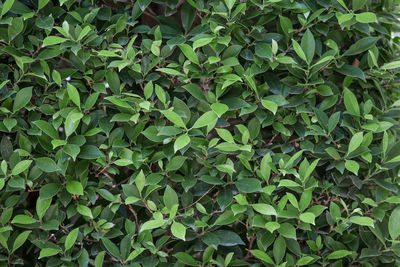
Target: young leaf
<point>178,230</point>
<point>73,95</point>
<point>71,238</point>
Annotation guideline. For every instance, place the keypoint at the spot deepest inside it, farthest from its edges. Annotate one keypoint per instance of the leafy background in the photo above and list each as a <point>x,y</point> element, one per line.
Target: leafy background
<point>200,133</point>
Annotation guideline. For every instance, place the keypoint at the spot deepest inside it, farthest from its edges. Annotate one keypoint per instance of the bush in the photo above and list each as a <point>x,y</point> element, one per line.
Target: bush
<point>200,133</point>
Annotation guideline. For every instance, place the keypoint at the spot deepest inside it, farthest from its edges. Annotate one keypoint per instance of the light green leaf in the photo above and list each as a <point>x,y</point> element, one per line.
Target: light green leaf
<point>74,94</point>
<point>6,6</point>
<point>48,252</point>
<point>365,221</point>
<point>189,53</point>
<point>355,142</point>
<point>20,240</point>
<point>181,142</point>
<point>351,103</point>
<point>21,166</point>
<point>178,230</point>
<point>23,219</point>
<point>53,40</point>
<point>71,238</point>
<point>366,17</point>
<point>85,211</point>
<point>74,187</point>
<point>352,166</point>
<point>205,119</point>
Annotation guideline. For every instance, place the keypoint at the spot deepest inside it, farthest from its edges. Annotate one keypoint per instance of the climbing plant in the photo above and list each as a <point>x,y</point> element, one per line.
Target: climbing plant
<point>199,133</point>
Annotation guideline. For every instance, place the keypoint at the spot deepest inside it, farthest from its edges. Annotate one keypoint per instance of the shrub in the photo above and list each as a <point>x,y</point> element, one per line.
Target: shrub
<point>199,133</point>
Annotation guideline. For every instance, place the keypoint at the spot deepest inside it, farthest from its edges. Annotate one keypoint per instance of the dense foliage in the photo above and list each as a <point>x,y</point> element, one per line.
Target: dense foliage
<point>199,133</point>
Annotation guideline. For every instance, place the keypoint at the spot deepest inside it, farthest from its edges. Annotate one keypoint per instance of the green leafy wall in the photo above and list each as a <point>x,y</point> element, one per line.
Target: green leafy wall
<point>199,133</point>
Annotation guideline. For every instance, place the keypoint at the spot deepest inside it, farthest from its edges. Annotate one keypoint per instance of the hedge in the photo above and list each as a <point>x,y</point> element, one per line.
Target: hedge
<point>200,133</point>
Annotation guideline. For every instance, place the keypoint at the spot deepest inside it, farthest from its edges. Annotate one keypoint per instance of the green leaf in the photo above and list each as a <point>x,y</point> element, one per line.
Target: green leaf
<point>111,248</point>
<point>90,152</point>
<point>299,51</point>
<point>352,166</point>
<point>279,249</point>
<point>248,185</point>
<point>6,6</point>
<point>352,71</point>
<point>219,109</point>
<point>308,217</point>
<point>308,45</point>
<point>85,211</point>
<point>178,230</point>
<point>304,261</point>
<point>22,98</point>
<point>225,135</point>
<point>350,101</point>
<point>394,223</point>
<point>287,230</point>
<point>264,50</point>
<point>20,240</point>
<point>205,119</point>
<point>47,128</point>
<point>188,51</point>
<point>364,221</point>
<point>49,190</point>
<point>170,197</point>
<point>355,142</point>
<point>53,40</point>
<point>113,80</point>
<point>196,92</point>
<point>140,181</point>
<point>98,261</point>
<point>338,254</point>
<point>21,166</point>
<point>72,122</point>
<point>148,90</point>
<point>391,65</point>
<point>333,121</point>
<point>366,17</point>
<point>361,46</point>
<point>71,238</point>
<point>262,256</point>
<point>152,224</point>
<point>42,3</point>
<point>174,118</point>
<point>74,94</point>
<point>230,4</point>
<point>23,219</point>
<point>74,187</point>
<point>48,252</point>
<point>271,106</point>
<point>16,27</point>
<point>265,209</point>
<point>175,163</point>
<point>181,142</point>
<point>286,25</point>
<point>47,164</point>
<point>357,4</point>
<point>202,42</point>
<point>41,207</point>
<point>186,259</point>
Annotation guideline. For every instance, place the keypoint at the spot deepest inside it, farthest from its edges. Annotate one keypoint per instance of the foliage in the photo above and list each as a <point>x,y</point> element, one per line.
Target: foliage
<point>199,133</point>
